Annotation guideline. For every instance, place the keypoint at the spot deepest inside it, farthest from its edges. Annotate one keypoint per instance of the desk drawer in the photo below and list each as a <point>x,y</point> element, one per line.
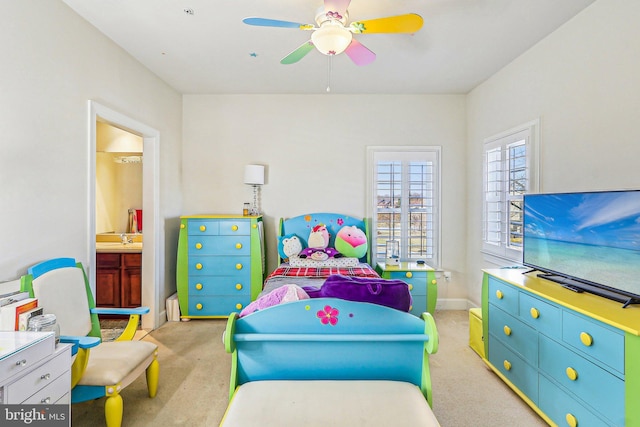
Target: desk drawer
<point>27,358</point>
<point>594,339</point>
<point>53,392</point>
<point>39,378</point>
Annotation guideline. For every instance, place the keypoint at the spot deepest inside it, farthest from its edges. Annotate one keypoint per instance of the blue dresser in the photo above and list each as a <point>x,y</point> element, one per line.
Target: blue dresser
<point>572,357</point>
<point>220,265</point>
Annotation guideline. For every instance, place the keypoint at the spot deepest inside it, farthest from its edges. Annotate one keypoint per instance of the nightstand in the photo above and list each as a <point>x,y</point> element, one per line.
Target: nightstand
<point>422,283</point>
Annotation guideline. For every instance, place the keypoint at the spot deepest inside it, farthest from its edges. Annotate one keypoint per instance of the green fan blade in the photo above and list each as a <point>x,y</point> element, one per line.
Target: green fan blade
<point>298,54</point>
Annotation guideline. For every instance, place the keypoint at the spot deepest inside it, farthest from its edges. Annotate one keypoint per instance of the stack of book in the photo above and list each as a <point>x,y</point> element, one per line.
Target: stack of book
<point>16,308</point>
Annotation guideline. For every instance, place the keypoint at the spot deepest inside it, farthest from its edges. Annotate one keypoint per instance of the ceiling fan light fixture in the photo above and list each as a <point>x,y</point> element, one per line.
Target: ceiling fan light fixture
<point>331,38</point>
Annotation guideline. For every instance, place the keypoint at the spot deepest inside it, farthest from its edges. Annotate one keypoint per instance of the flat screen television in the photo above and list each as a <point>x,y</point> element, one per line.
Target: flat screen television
<point>587,241</point>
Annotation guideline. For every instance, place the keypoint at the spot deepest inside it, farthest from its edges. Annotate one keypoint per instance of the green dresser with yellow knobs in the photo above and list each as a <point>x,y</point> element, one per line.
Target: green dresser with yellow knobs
<point>421,280</point>
<point>220,264</point>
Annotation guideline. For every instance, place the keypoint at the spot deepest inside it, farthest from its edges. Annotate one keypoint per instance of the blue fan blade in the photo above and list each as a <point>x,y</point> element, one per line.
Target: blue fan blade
<point>262,22</point>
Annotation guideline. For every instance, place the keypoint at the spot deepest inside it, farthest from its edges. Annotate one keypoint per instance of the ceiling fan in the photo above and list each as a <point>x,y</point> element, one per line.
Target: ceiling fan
<point>332,36</point>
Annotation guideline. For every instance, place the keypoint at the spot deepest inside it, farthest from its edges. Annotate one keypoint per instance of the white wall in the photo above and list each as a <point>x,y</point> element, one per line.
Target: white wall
<point>583,82</point>
<point>53,62</point>
<point>314,148</point>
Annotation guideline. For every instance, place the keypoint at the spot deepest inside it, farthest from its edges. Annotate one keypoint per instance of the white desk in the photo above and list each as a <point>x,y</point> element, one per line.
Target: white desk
<point>33,370</point>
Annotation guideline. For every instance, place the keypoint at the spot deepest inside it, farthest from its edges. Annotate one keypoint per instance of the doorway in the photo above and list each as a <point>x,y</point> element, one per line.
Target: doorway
<point>151,261</point>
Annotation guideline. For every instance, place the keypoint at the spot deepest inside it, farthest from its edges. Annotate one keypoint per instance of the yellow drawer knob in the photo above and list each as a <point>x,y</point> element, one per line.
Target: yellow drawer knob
<point>198,306</point>
<point>586,339</point>
<point>572,374</point>
<point>198,245</point>
<point>183,226</point>
<point>238,266</point>
<point>499,294</point>
<point>203,228</point>
<point>238,245</point>
<point>572,421</point>
<point>434,282</point>
<point>507,330</point>
<point>535,313</point>
<point>239,306</point>
<point>234,228</point>
<point>409,275</point>
<point>199,286</point>
<point>198,266</point>
<point>507,365</point>
<point>410,286</point>
<point>254,225</point>
<point>238,286</point>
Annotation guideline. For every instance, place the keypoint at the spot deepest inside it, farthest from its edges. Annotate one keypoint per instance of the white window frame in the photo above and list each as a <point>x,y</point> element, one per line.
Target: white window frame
<point>402,153</point>
<point>500,250</point>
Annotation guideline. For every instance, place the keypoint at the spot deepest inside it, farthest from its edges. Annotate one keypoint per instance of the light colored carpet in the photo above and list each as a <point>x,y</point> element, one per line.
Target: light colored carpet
<point>194,382</point>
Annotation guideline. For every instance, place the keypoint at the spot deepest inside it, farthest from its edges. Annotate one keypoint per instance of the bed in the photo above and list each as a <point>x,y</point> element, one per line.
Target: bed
<point>356,359</point>
<point>328,361</point>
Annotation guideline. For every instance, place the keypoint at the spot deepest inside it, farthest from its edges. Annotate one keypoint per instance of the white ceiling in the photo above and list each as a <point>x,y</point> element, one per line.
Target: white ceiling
<point>462,43</point>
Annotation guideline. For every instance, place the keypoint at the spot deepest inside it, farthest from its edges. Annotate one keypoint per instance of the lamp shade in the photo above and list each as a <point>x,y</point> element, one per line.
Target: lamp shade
<point>331,38</point>
<point>254,174</point>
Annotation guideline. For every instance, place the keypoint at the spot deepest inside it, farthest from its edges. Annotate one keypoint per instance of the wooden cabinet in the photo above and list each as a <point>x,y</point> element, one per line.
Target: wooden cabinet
<point>421,280</point>
<point>220,266</point>
<point>571,356</point>
<point>118,279</point>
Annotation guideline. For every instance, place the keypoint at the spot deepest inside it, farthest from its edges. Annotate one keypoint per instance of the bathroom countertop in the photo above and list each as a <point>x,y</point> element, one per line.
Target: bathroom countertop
<point>117,247</point>
<point>112,243</point>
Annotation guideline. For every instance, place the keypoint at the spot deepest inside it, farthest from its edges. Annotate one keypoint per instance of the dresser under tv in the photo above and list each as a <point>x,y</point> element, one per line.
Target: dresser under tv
<point>573,357</point>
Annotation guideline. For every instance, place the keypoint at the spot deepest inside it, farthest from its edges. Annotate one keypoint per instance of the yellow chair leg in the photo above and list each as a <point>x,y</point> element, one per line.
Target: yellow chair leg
<point>153,373</point>
<point>113,410</point>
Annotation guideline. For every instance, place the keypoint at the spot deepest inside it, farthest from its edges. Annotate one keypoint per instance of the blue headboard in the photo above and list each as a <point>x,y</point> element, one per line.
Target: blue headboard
<point>302,225</point>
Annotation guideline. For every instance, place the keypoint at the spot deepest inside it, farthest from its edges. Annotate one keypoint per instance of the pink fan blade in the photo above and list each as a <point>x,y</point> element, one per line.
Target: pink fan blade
<point>339,6</point>
<point>359,54</point>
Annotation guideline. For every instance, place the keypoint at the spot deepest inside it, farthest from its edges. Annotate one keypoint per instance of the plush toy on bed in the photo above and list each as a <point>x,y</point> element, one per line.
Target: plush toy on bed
<point>289,246</point>
<point>351,242</point>
<point>318,245</point>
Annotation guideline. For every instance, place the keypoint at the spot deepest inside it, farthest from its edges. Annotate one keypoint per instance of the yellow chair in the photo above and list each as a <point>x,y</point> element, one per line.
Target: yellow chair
<point>99,368</point>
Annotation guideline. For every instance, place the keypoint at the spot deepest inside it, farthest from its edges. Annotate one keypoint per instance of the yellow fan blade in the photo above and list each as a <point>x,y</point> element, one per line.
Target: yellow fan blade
<point>409,23</point>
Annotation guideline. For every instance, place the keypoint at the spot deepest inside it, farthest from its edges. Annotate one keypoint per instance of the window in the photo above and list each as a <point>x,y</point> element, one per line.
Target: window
<point>404,202</point>
<point>510,171</point>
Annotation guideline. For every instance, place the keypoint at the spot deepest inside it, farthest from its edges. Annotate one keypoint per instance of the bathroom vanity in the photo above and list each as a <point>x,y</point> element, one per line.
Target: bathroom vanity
<point>119,271</point>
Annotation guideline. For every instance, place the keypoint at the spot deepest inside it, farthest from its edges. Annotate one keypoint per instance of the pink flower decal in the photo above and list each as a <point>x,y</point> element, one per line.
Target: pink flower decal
<point>328,316</point>
<point>334,15</point>
<point>340,221</point>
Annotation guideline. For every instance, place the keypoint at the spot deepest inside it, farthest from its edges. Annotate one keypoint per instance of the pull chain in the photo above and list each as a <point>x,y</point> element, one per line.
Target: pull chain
<point>329,73</point>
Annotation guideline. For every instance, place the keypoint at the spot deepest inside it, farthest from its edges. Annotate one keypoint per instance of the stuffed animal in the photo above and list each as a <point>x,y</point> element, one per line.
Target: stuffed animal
<point>319,237</point>
<point>289,246</point>
<point>351,242</point>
